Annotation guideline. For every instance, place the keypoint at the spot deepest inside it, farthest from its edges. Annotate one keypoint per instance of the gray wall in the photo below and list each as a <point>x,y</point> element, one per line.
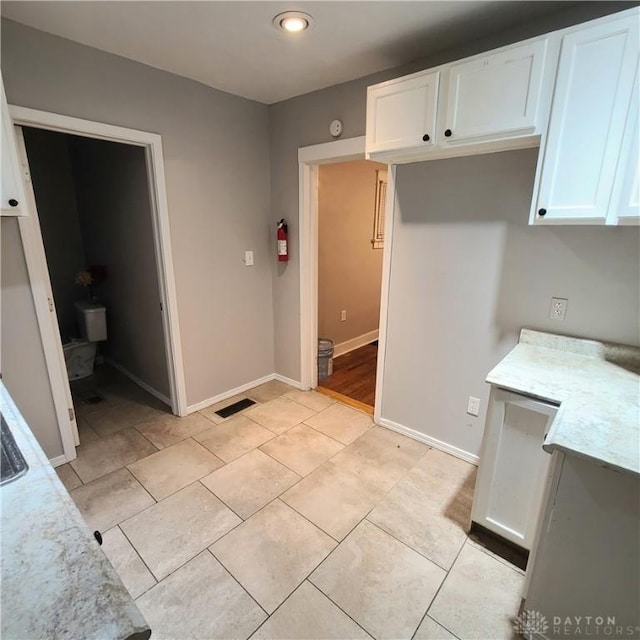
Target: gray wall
<point>52,179</point>
<point>468,272</point>
<point>304,120</point>
<point>218,187</point>
<point>115,217</point>
<point>24,369</point>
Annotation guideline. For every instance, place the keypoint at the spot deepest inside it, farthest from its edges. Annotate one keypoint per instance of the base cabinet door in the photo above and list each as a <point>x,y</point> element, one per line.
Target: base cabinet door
<point>593,92</point>
<point>513,466</point>
<point>401,114</point>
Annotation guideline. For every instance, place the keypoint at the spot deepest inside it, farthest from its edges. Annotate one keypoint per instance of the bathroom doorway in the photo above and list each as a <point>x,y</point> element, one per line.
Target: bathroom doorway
<point>94,210</point>
<point>111,227</point>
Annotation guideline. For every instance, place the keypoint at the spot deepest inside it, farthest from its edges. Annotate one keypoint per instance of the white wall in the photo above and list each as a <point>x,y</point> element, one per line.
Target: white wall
<point>117,230</point>
<point>24,369</point>
<point>218,187</point>
<point>468,272</point>
<point>349,268</point>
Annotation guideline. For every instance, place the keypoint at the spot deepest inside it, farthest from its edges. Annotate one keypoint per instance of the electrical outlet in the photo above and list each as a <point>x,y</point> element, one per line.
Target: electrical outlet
<point>248,258</point>
<point>558,308</point>
<point>473,406</point>
<point>343,315</point>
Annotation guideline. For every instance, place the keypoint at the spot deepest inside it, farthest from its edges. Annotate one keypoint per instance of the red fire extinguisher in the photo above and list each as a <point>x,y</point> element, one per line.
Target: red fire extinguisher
<point>283,249</point>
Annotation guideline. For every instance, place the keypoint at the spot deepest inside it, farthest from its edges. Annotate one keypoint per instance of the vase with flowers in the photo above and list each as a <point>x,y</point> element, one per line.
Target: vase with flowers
<point>90,278</point>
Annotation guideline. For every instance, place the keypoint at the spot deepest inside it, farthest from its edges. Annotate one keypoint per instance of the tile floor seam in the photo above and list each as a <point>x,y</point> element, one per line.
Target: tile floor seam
<point>435,595</point>
<point>213,555</point>
<point>307,579</point>
<point>406,544</point>
<point>224,464</point>
<point>495,556</point>
<point>225,504</point>
<point>344,446</point>
<point>141,560</point>
<point>301,515</point>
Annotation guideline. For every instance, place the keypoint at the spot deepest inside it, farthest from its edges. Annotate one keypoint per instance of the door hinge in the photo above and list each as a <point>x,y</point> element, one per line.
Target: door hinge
<point>72,414</point>
<point>50,304</point>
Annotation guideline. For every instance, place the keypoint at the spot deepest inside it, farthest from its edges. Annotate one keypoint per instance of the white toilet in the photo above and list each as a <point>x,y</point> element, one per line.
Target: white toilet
<point>80,354</point>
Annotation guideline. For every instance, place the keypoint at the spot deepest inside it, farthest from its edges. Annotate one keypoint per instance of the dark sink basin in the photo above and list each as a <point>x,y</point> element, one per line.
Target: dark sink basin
<point>12,464</point>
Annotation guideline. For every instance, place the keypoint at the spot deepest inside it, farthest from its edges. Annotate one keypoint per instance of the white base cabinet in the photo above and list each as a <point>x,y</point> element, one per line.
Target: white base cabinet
<point>583,578</point>
<point>513,466</point>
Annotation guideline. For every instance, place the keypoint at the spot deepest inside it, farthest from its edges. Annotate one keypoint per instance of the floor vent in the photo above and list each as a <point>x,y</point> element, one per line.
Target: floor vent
<point>235,407</point>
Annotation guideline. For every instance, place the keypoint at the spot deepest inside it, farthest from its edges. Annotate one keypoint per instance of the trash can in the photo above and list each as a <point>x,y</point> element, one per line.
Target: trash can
<point>325,358</point>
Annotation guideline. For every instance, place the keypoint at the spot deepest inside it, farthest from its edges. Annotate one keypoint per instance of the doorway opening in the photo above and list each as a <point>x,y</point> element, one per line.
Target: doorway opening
<point>351,200</point>
<point>95,215</point>
<point>360,357</point>
<point>118,175</point>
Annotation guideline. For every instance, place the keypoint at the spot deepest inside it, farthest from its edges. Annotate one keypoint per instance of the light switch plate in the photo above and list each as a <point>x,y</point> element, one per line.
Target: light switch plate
<point>248,258</point>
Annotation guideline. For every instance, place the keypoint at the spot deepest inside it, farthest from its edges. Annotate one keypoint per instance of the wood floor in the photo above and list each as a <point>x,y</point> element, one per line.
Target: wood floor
<point>354,374</point>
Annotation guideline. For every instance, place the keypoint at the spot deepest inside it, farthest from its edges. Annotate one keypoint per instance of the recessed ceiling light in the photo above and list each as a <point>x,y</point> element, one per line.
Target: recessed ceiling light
<point>292,21</point>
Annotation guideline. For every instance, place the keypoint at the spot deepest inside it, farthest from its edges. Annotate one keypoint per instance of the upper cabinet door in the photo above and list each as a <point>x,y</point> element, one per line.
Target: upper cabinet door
<point>12,196</point>
<point>496,96</point>
<point>590,105</point>
<point>625,202</point>
<point>401,114</point>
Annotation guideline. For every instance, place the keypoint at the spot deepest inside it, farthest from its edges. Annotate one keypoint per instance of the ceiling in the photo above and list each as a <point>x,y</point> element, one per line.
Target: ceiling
<point>234,47</point>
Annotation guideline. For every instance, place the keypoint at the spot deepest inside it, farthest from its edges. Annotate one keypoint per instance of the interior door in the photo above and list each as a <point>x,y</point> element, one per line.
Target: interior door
<point>45,308</point>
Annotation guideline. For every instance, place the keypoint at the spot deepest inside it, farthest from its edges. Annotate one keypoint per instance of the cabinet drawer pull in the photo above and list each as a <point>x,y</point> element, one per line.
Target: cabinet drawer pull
<point>426,137</point>
<point>542,212</point>
<point>13,203</point>
<point>448,133</point>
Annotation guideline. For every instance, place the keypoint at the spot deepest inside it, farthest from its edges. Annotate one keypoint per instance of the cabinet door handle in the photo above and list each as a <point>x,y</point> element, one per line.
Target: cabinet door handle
<point>448,133</point>
<point>13,203</point>
<point>542,212</point>
<point>426,137</point>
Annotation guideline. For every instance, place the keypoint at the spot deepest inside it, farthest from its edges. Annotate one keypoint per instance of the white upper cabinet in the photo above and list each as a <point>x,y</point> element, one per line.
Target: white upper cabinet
<point>12,195</point>
<point>625,202</point>
<point>401,114</point>
<point>591,101</point>
<point>496,95</point>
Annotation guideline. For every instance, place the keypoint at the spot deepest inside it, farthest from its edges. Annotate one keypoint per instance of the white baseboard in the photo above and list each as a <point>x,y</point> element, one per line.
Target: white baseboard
<point>289,381</point>
<point>241,389</point>
<point>432,442</point>
<point>58,460</point>
<point>354,343</point>
<point>137,380</point>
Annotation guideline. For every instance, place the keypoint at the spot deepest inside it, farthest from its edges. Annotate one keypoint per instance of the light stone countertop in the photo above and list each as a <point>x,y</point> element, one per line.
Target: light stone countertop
<point>597,386</point>
<point>56,580</point>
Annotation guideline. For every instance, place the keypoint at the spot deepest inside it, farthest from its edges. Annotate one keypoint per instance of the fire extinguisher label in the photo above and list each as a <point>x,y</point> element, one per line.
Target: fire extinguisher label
<point>282,247</point>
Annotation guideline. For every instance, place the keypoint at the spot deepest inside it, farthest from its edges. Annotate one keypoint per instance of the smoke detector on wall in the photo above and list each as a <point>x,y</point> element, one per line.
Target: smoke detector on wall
<point>335,128</point>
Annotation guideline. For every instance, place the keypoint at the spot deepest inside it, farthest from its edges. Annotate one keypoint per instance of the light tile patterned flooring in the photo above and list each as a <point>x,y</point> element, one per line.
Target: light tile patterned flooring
<point>298,518</point>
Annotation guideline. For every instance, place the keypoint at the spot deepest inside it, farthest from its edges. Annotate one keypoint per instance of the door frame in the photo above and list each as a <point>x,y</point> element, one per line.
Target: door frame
<point>309,159</point>
<point>39,273</point>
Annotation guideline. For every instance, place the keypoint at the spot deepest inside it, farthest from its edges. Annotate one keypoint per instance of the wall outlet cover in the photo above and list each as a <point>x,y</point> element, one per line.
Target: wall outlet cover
<point>558,308</point>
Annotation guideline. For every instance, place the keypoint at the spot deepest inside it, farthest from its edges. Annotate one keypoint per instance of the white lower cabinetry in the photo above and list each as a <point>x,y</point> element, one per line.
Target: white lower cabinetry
<point>513,466</point>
